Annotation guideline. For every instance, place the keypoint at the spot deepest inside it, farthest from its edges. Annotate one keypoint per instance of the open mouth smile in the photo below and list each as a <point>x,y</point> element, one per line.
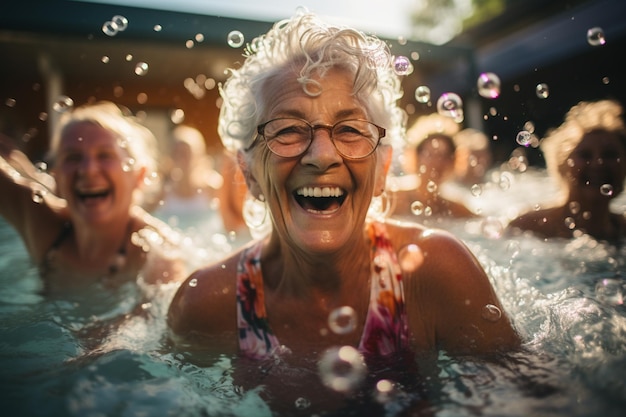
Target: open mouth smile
<point>320,200</point>
<point>92,195</point>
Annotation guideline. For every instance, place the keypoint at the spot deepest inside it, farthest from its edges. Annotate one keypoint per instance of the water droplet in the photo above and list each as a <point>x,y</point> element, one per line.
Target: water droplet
<point>574,207</point>
<point>177,116</point>
<point>120,21</point>
<point>606,189</point>
<point>402,65</point>
<point>342,368</point>
<point>41,166</point>
<point>491,313</point>
<point>491,228</point>
<point>422,94</point>
<point>110,28</point>
<point>450,105</point>
<point>235,39</point>
<point>595,36</point>
<point>417,208</point>
<point>431,187</point>
<point>410,258</point>
<point>524,138</point>
<point>476,190</point>
<point>302,403</point>
<point>63,104</point>
<point>610,291</point>
<point>342,320</point>
<point>542,90</point>
<point>488,85</point>
<point>193,282</point>
<point>141,68</point>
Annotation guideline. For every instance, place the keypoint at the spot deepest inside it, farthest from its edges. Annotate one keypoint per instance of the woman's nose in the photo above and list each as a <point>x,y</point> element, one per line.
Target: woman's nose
<point>322,152</point>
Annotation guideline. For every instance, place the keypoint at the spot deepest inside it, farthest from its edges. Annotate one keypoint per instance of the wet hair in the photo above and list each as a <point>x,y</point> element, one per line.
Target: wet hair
<point>583,118</point>
<point>309,48</point>
<point>135,138</point>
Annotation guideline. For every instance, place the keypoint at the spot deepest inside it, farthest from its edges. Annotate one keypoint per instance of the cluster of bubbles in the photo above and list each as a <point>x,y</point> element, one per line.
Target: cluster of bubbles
<point>118,23</point>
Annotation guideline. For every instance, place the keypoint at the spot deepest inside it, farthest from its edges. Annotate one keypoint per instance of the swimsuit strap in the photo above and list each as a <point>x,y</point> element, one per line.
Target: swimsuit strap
<point>386,328</point>
<point>256,339</point>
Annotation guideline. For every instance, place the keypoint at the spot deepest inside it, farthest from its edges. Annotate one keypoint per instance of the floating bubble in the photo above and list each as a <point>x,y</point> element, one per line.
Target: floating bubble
<point>401,65</point>
<point>524,138</point>
<point>141,68</point>
<point>431,187</point>
<point>157,28</point>
<point>417,208</point>
<point>476,190</point>
<point>450,105</point>
<point>542,90</point>
<point>110,28</point>
<point>410,257</point>
<point>121,22</point>
<point>606,189</point>
<point>488,85</point>
<point>342,368</point>
<point>342,320</point>
<point>199,37</point>
<point>10,102</point>
<point>610,291</point>
<point>63,104</point>
<point>574,207</point>
<point>193,282</point>
<point>570,223</point>
<point>105,59</point>
<point>189,44</point>
<point>595,36</point>
<point>491,228</point>
<point>491,313</point>
<point>422,94</point>
<point>235,39</point>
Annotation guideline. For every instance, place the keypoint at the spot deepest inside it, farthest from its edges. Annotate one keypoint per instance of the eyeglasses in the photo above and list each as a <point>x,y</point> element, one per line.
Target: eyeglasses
<point>290,137</point>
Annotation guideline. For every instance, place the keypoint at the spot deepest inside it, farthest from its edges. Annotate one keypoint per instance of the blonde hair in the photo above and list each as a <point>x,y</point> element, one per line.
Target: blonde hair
<point>431,124</point>
<point>581,119</point>
<point>308,47</point>
<point>136,139</point>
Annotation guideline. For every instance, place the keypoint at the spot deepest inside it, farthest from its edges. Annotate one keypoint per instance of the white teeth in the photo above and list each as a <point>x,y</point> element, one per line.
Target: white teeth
<point>320,192</point>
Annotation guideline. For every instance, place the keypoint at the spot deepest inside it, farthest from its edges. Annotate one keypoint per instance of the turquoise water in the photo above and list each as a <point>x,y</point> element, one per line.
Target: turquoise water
<point>105,353</point>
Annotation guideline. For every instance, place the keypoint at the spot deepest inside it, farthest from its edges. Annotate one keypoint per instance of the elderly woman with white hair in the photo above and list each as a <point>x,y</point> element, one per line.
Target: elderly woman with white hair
<point>586,155</point>
<point>312,115</point>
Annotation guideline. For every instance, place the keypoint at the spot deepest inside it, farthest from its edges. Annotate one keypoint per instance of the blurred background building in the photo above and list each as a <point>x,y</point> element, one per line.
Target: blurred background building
<point>164,60</point>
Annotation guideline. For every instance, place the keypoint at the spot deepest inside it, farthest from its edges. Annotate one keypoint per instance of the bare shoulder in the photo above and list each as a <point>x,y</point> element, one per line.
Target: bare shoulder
<point>205,302</point>
<point>449,294</point>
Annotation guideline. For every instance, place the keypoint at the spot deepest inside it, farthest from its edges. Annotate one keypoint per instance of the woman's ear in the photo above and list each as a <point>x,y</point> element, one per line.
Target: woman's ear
<point>251,182</point>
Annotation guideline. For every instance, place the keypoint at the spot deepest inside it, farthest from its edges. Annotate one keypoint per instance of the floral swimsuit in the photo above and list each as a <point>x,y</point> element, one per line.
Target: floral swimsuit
<point>386,329</point>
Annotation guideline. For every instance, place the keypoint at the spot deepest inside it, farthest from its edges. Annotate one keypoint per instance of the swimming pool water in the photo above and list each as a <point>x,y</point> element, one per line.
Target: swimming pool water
<point>106,352</point>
